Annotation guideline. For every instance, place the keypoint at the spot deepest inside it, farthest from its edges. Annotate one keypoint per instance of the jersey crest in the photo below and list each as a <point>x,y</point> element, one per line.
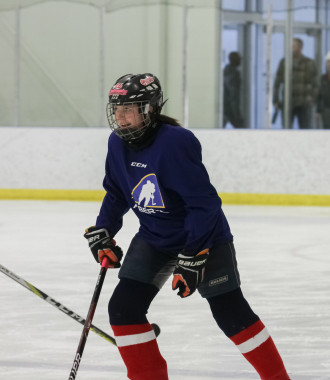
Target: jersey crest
<point>146,193</point>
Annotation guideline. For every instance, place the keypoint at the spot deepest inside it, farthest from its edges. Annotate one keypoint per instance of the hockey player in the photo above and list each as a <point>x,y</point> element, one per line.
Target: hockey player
<point>154,166</point>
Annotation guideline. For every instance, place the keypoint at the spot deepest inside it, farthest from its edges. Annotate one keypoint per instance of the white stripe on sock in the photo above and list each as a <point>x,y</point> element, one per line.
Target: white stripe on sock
<point>254,342</point>
<point>129,340</point>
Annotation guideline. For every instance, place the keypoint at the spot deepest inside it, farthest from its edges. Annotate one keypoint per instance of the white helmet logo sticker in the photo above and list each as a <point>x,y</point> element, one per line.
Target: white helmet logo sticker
<point>117,86</point>
<point>147,80</point>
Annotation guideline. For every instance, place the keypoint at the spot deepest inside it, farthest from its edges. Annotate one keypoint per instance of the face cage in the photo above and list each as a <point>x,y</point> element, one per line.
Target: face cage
<point>132,132</point>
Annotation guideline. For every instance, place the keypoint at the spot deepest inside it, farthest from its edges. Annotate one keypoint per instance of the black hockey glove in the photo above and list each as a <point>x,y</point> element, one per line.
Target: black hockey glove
<point>101,244</point>
<point>189,273</point>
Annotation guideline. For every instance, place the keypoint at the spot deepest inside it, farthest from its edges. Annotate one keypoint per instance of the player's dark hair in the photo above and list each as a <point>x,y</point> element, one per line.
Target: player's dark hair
<point>151,133</point>
<point>164,119</point>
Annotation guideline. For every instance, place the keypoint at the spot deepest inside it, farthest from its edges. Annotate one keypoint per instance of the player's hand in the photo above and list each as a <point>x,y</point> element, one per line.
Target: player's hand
<point>189,273</point>
<point>101,244</point>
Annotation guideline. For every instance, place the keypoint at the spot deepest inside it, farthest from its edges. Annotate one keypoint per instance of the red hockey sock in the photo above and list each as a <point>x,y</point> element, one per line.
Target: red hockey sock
<point>138,347</point>
<point>257,346</point>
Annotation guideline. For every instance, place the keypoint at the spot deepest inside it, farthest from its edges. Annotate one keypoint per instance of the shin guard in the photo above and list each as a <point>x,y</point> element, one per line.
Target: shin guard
<point>257,346</point>
<point>139,350</point>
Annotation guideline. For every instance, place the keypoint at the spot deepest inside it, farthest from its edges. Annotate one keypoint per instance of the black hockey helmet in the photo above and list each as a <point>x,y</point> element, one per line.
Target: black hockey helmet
<point>145,91</point>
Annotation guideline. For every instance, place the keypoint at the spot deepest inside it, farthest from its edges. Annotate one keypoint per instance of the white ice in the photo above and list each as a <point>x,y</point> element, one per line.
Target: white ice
<point>284,261</point>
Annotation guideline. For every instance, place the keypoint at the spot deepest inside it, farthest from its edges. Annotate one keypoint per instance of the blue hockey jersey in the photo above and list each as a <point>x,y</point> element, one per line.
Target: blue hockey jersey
<point>169,190</point>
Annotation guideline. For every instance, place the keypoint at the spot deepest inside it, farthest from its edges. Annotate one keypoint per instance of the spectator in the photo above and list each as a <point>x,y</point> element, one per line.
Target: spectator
<point>231,92</point>
<point>323,104</point>
<point>304,86</point>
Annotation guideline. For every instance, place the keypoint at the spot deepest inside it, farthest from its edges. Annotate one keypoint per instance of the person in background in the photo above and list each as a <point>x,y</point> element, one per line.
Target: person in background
<point>232,92</point>
<point>304,86</point>
<point>323,102</point>
<point>154,167</point>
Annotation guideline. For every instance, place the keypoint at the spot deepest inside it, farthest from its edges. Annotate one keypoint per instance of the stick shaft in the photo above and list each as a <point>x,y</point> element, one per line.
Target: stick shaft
<point>55,303</point>
<point>89,318</point>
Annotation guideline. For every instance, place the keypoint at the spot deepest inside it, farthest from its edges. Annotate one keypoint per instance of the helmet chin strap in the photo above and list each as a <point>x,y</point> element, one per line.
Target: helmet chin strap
<point>162,105</point>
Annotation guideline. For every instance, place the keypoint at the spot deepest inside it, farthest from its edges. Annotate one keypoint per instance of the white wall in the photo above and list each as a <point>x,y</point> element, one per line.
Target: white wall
<point>61,82</point>
<point>265,161</point>
<point>239,161</point>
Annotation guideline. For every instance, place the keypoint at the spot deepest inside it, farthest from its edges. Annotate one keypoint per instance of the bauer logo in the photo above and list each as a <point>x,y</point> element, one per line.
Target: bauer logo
<point>147,81</point>
<point>218,281</point>
<point>146,193</point>
<point>75,367</point>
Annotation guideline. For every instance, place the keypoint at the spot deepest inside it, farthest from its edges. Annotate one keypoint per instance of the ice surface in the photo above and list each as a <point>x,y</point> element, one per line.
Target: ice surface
<point>284,261</point>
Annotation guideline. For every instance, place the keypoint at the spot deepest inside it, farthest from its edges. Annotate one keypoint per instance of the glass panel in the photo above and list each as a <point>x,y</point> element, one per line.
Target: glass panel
<point>261,95</point>
<point>237,5</point>
<point>231,78</point>
<point>229,43</point>
<point>278,8</point>
<point>304,10</point>
<point>306,87</point>
<point>303,82</point>
<point>307,51</point>
<point>8,69</point>
<point>278,49</point>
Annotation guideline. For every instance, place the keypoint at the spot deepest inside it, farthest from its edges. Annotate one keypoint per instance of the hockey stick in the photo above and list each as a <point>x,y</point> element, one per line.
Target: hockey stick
<point>61,307</point>
<point>55,303</point>
<point>89,318</point>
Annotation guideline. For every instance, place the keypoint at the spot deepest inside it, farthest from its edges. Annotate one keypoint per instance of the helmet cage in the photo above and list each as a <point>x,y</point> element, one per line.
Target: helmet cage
<point>134,130</point>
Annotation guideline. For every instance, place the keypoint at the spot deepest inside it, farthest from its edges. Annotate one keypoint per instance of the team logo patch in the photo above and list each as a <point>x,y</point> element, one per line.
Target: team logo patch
<point>146,193</point>
<point>147,81</point>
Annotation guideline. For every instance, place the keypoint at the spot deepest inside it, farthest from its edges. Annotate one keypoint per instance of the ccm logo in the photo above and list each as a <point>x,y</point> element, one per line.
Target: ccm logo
<point>138,164</point>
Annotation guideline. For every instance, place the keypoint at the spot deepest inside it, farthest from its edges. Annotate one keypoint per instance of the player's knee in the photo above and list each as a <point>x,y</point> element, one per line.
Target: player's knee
<point>117,309</point>
<point>130,302</point>
<point>232,312</point>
